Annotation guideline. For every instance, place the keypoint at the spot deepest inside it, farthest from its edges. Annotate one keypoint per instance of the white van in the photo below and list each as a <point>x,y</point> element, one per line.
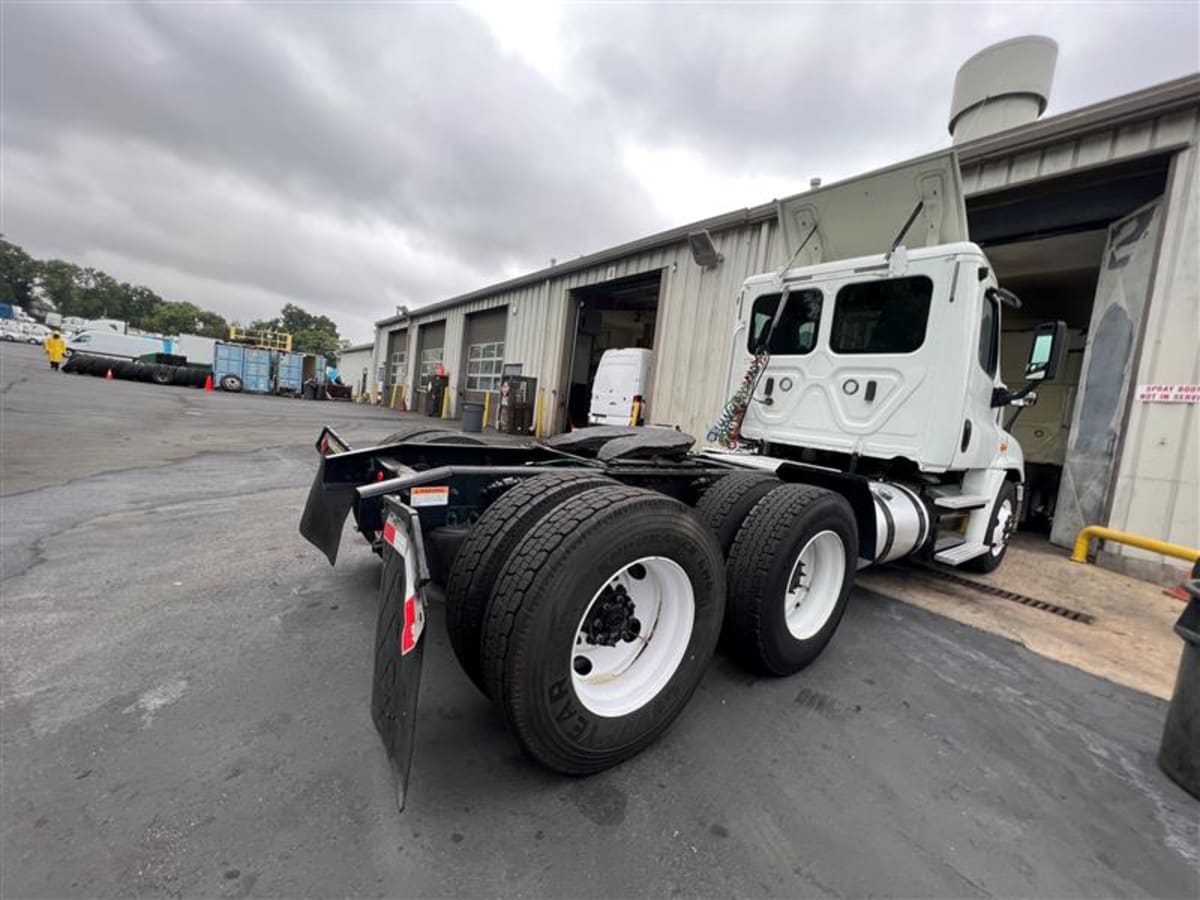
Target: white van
<point>622,380</point>
<point>109,343</point>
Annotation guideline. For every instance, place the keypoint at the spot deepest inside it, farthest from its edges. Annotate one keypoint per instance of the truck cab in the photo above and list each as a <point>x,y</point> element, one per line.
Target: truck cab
<point>886,365</point>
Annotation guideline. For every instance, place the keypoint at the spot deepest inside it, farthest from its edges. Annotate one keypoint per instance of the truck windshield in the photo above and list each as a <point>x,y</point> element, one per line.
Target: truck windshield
<point>796,333</point>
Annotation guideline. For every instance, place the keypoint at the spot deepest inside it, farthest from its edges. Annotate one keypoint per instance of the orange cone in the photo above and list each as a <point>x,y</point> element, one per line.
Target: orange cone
<point>208,385</point>
<point>108,376</point>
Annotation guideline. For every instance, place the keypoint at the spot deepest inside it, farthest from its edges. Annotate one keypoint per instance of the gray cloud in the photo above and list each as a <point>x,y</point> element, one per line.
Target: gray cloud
<point>844,87</point>
<point>350,158</point>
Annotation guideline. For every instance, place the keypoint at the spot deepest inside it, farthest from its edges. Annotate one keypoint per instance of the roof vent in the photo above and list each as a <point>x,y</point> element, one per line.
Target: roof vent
<point>1002,86</point>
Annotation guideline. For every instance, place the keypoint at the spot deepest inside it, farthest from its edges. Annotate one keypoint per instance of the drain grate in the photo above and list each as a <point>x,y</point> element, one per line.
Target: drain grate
<point>1054,609</point>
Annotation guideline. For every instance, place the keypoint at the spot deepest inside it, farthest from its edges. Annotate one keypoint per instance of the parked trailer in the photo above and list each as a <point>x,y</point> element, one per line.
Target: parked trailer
<point>587,578</point>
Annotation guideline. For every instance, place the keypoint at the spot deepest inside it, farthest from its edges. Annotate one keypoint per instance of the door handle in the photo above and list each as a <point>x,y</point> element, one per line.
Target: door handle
<point>768,390</point>
<point>869,396</point>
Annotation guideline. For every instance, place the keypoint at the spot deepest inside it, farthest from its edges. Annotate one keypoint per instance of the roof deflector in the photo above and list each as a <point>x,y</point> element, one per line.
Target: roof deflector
<point>861,216</point>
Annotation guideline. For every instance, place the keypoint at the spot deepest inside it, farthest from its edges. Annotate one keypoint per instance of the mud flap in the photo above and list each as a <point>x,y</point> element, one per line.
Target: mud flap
<point>399,648</point>
<point>325,513</point>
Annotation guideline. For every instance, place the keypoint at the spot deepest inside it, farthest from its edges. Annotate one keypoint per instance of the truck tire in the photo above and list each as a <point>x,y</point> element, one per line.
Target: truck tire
<point>445,437</point>
<point>790,571</point>
<point>162,374</point>
<point>725,505</point>
<point>487,547</point>
<point>1001,525</point>
<point>231,383</point>
<point>126,370</point>
<point>601,625</point>
<point>409,432</point>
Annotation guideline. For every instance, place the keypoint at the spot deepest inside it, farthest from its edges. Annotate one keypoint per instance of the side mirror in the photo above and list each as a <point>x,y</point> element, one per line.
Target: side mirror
<point>1049,345</point>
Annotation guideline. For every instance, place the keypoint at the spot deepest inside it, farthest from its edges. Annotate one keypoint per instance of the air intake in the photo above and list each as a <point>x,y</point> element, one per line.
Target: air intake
<point>1002,86</point>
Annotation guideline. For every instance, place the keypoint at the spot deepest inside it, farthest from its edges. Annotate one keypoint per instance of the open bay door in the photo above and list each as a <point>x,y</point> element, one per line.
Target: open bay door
<point>854,353</point>
<point>863,216</point>
<point>1102,399</point>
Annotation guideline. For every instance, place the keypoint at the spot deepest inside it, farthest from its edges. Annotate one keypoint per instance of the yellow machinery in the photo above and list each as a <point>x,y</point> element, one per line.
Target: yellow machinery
<point>270,340</point>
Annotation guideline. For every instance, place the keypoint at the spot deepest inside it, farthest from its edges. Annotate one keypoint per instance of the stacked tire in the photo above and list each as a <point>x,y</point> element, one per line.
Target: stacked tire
<point>587,610</point>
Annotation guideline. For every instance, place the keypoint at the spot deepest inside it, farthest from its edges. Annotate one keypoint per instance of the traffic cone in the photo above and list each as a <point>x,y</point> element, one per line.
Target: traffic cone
<point>208,385</point>
<point>108,376</point>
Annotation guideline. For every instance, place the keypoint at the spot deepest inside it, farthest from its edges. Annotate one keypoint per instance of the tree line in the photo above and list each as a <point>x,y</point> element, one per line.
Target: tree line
<point>41,286</point>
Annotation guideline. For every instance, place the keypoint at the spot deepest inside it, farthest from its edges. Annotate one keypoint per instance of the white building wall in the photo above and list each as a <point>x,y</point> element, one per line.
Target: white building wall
<point>351,364</point>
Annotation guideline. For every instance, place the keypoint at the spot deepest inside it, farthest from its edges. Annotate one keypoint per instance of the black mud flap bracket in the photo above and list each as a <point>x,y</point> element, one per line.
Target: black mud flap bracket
<point>399,633</point>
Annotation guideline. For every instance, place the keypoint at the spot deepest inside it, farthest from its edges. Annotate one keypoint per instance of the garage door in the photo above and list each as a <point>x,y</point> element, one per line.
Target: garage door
<point>431,341</point>
<point>483,353</point>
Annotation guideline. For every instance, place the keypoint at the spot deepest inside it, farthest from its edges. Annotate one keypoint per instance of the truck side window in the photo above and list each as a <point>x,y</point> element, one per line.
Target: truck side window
<point>796,333</point>
<point>989,327</point>
<point>885,316</point>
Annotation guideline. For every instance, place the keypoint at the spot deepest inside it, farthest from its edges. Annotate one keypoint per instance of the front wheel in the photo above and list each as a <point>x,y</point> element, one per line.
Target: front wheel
<point>602,623</point>
<point>1001,525</point>
<point>231,383</point>
<point>790,571</point>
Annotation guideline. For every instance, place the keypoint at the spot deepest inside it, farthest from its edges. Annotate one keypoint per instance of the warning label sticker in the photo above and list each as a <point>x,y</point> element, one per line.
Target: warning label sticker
<point>1168,393</point>
<point>427,495</point>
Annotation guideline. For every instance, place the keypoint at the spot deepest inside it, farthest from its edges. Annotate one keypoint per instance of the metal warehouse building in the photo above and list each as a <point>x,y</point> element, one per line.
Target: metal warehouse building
<point>1090,216</point>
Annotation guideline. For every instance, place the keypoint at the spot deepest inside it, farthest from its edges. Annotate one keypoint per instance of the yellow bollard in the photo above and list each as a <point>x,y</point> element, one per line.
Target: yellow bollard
<point>487,406</point>
<point>404,398</point>
<point>392,404</point>
<point>446,403</point>
<point>537,415</point>
<point>1079,554</point>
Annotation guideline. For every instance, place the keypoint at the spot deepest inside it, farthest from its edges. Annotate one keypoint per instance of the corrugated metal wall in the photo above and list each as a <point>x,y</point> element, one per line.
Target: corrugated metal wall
<point>695,318</point>
<point>1108,145</point>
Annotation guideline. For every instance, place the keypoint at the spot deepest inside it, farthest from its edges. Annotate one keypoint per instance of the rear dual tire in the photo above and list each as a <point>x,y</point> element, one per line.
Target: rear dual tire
<point>486,549</point>
<point>572,588</point>
<point>789,574</point>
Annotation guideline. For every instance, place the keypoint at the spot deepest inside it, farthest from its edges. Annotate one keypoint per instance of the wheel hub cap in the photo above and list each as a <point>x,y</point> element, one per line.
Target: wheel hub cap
<point>632,636</point>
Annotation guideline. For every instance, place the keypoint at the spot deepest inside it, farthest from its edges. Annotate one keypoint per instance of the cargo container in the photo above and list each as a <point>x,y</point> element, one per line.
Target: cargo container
<point>289,373</point>
<point>237,368</point>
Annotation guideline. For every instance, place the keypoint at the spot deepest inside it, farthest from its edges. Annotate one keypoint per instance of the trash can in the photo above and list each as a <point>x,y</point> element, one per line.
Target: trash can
<point>472,417</point>
<point>1179,753</point>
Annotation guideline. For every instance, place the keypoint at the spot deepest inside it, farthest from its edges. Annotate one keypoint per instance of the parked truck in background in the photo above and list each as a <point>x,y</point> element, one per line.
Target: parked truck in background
<point>588,578</point>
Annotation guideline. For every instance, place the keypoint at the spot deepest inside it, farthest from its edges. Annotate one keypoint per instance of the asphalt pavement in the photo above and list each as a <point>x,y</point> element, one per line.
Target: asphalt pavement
<point>184,712</point>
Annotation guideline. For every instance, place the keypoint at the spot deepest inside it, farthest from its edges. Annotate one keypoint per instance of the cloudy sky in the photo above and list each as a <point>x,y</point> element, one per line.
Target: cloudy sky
<point>351,157</point>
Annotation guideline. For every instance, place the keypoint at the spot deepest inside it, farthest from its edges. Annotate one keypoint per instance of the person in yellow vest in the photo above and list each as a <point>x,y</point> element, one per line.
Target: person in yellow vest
<point>56,349</point>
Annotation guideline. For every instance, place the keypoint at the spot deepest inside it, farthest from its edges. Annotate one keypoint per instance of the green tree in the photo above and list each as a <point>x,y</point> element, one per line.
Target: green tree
<point>57,279</point>
<point>176,318</point>
<point>310,333</point>
<point>212,325</point>
<point>18,275</point>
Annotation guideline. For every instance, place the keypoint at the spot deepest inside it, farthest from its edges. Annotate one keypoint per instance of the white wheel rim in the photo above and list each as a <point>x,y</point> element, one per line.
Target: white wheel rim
<point>616,680</point>
<point>814,585</point>
<point>1000,533</point>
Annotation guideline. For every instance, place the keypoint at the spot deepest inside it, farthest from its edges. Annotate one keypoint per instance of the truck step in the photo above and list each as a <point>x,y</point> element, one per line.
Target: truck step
<point>960,553</point>
<point>960,501</point>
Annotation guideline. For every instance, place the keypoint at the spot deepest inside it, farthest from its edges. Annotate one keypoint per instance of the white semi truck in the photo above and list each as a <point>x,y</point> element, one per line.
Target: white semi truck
<point>587,579</point>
